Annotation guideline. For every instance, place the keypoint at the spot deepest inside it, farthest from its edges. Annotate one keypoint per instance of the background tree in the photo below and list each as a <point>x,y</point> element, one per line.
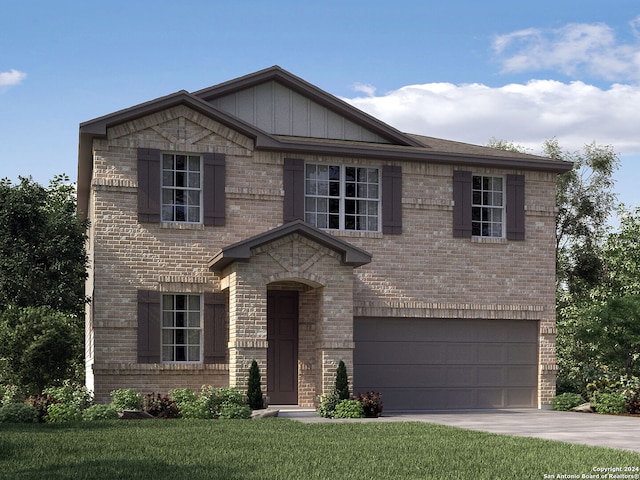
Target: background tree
<point>585,201</point>
<point>42,246</point>
<point>38,347</point>
<point>42,273</point>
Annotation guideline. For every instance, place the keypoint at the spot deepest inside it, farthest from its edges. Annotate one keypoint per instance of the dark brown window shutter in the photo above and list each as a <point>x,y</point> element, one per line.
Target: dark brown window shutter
<point>148,326</point>
<point>293,179</point>
<point>515,207</point>
<point>392,199</point>
<point>148,185</point>
<point>215,328</point>
<point>213,188</point>
<point>462,204</point>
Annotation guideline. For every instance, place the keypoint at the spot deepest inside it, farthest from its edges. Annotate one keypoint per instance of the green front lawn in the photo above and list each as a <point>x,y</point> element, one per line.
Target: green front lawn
<point>285,449</point>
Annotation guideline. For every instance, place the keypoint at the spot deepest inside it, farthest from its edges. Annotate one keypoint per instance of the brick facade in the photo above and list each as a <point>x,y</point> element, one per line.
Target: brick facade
<point>422,273</point>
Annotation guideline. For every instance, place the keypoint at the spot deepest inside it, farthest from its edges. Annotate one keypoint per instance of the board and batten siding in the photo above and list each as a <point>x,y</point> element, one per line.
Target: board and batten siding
<point>278,110</point>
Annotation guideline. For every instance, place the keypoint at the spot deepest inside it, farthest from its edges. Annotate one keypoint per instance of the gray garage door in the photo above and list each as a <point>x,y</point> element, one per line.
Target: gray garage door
<point>447,364</point>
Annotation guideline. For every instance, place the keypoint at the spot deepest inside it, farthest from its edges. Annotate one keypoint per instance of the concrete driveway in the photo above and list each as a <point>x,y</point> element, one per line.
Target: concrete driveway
<point>584,428</point>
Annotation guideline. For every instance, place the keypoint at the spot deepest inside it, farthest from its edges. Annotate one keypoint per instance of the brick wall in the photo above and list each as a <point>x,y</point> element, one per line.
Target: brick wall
<point>424,272</point>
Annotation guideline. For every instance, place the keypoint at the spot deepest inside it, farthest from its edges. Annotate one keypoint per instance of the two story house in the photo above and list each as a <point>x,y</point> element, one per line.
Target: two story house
<point>263,218</point>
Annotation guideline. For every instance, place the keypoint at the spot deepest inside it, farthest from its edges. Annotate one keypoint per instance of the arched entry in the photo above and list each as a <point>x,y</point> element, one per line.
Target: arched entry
<point>282,350</point>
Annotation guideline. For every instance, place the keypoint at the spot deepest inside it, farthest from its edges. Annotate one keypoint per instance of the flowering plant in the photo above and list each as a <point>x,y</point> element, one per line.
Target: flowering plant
<point>371,403</point>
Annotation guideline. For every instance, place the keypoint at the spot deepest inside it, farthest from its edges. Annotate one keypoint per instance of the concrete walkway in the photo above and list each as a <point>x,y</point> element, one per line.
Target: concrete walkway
<point>584,428</point>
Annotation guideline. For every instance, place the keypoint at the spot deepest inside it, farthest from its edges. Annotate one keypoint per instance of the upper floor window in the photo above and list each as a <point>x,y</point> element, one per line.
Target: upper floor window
<point>181,188</point>
<point>181,328</point>
<point>339,197</point>
<point>487,210</point>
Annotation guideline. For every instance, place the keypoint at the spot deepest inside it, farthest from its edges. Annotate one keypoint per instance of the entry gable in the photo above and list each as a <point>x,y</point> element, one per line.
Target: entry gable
<point>241,251</point>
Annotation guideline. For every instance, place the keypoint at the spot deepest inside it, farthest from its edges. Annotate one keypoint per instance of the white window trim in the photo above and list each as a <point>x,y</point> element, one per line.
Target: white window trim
<point>503,207</point>
<point>200,189</point>
<point>162,328</point>
<point>343,197</point>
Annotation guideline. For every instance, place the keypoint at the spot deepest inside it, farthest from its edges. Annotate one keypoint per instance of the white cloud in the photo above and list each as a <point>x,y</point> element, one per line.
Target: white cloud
<point>11,78</point>
<point>527,114</point>
<point>574,49</point>
<point>367,89</point>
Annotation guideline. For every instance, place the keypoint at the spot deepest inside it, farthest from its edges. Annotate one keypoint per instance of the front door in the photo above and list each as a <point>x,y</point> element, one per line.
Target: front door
<point>282,351</point>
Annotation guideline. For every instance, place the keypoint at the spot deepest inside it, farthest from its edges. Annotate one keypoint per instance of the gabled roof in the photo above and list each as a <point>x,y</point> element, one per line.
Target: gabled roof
<point>402,147</point>
<point>312,92</point>
<point>241,251</point>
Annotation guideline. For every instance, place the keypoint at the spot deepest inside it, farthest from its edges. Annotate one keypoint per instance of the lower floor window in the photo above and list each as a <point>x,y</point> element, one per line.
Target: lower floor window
<point>181,328</point>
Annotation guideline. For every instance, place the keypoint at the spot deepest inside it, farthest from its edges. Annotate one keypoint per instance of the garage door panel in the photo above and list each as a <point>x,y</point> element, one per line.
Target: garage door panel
<point>447,364</point>
<point>397,376</point>
<point>521,353</point>
<point>398,353</point>
<point>522,375</point>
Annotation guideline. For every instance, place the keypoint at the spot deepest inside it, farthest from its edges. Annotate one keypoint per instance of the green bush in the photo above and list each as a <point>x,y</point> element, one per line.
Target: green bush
<point>10,394</point>
<point>349,409</point>
<point>69,394</point>
<point>566,401</point>
<point>190,405</point>
<point>254,388</point>
<point>234,411</point>
<point>100,412</point>
<point>609,403</point>
<point>127,399</point>
<point>18,413</point>
<point>328,403</point>
<point>63,413</point>
<point>342,381</point>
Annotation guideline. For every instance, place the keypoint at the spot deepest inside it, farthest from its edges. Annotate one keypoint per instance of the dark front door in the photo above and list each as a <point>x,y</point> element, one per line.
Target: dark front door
<point>282,352</point>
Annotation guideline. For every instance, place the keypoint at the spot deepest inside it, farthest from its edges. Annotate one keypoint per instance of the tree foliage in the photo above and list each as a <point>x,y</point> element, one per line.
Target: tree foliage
<point>38,346</point>
<point>611,334</point>
<point>585,201</point>
<point>42,246</point>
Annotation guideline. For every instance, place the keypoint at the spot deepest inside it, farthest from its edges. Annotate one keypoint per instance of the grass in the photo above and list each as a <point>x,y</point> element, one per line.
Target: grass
<point>285,449</point>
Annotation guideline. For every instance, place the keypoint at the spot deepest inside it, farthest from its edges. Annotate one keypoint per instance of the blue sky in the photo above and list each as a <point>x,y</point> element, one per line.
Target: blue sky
<point>461,70</point>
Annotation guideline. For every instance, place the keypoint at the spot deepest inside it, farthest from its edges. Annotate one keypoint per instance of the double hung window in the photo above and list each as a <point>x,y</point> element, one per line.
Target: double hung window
<point>487,210</point>
<point>181,188</point>
<point>181,328</point>
<point>341,197</point>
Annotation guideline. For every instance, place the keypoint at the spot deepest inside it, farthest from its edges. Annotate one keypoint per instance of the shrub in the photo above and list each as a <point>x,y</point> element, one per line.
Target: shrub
<point>69,394</point>
<point>227,397</point>
<point>371,404</point>
<point>234,411</point>
<point>566,401</point>
<point>349,409</point>
<point>18,413</point>
<point>10,394</point>
<point>254,388</point>
<point>100,412</point>
<point>632,401</point>
<point>127,399</point>
<point>189,404</point>
<point>328,403</point>
<point>41,404</point>
<point>63,413</point>
<point>160,406</point>
<point>609,403</point>
<point>342,381</point>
